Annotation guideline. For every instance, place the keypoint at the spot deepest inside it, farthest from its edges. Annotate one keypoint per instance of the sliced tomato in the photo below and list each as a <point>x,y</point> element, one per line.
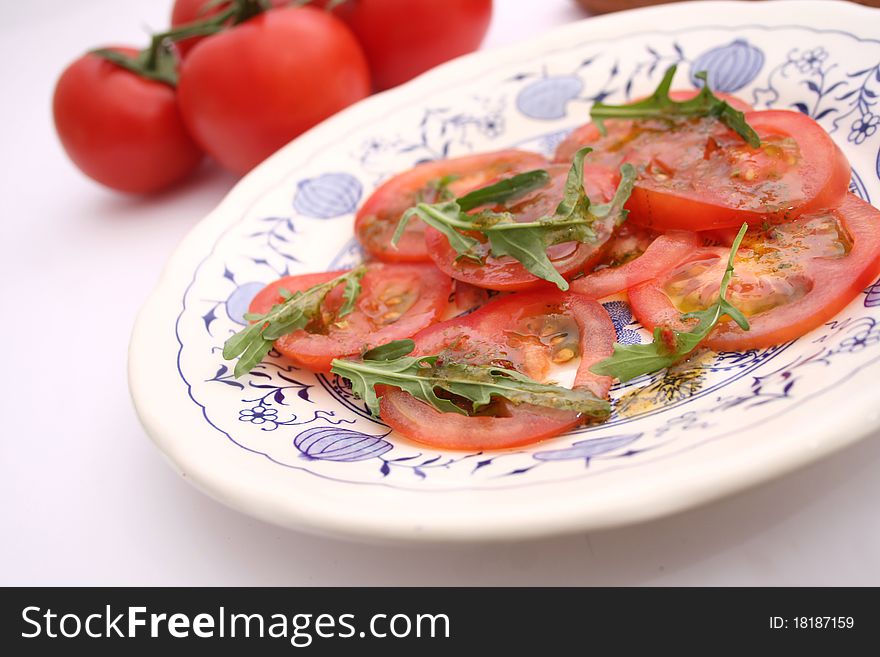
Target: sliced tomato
<point>629,242</point>
<point>693,180</point>
<point>506,274</point>
<point>466,298</point>
<point>395,302</point>
<point>611,149</point>
<point>377,219</point>
<point>527,332</point>
<point>788,279</point>
<point>661,255</point>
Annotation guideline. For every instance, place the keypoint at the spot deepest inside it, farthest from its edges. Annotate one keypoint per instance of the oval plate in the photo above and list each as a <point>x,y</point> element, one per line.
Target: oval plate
<point>298,450</point>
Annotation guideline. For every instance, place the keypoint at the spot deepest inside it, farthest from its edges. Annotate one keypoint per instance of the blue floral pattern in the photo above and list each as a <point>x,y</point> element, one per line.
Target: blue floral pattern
<point>730,67</point>
<point>328,195</point>
<point>315,423</point>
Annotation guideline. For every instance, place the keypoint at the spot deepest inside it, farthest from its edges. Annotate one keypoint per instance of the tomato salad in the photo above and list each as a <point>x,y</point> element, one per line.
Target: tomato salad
<point>726,228</point>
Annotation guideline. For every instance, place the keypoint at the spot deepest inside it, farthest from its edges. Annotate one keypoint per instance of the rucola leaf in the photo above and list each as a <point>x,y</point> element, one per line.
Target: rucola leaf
<point>424,376</point>
<point>660,106</point>
<point>251,344</point>
<point>527,242</point>
<point>669,345</point>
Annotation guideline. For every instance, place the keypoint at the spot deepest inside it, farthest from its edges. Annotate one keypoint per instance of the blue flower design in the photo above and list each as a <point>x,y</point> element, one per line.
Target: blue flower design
<point>730,67</point>
<point>872,295</point>
<point>587,449</point>
<point>811,60</point>
<point>492,126</point>
<point>546,99</point>
<point>621,317</point>
<point>258,415</point>
<point>239,301</point>
<point>337,444</point>
<point>864,127</point>
<point>328,195</point>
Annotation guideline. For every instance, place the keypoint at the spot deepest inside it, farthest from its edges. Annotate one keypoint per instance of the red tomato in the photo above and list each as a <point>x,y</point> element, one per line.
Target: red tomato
<point>788,280</point>
<point>613,145</point>
<point>395,302</point>
<point>466,298</point>
<point>526,332</point>
<point>687,185</point>
<point>506,274</point>
<point>377,220</point>
<point>700,175</point>
<point>403,38</point>
<point>121,129</point>
<point>664,253</point>
<point>188,11</point>
<point>246,92</point>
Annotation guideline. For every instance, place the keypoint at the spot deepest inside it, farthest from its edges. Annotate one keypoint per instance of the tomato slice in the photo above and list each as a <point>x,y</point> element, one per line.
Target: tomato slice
<point>788,279</point>
<point>697,180</point>
<point>661,255</point>
<point>611,149</point>
<point>466,298</point>
<point>506,274</point>
<point>527,332</point>
<point>377,219</point>
<point>395,302</point>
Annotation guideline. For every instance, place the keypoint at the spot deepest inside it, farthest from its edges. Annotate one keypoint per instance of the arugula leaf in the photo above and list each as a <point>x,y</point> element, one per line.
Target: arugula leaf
<point>253,343</point>
<point>660,106</point>
<point>390,351</point>
<point>669,345</point>
<point>504,191</point>
<point>527,242</point>
<point>444,217</point>
<point>424,376</point>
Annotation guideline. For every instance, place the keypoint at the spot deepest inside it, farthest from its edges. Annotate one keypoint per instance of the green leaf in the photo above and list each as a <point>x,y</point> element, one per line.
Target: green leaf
<point>527,242</point>
<point>256,350</point>
<point>574,198</point>
<point>632,360</point>
<point>252,343</point>
<point>505,191</point>
<point>669,345</point>
<point>391,350</point>
<point>528,246</point>
<point>404,373</point>
<point>614,207</point>
<point>350,294</point>
<point>660,106</point>
<point>423,376</point>
<point>444,217</point>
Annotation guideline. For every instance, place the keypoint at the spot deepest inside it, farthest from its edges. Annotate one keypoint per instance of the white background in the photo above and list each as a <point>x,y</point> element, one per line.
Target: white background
<point>87,499</point>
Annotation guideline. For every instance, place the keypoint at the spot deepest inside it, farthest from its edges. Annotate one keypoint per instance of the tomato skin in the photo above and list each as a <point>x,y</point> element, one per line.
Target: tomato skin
<point>120,129</point>
<point>377,219</point>
<point>701,176</point>
<point>244,93</point>
<point>403,38</point>
<point>664,253</point>
<point>508,275</point>
<point>187,11</point>
<point>589,133</point>
<point>835,282</point>
<point>517,424</point>
<point>362,328</point>
<point>823,172</point>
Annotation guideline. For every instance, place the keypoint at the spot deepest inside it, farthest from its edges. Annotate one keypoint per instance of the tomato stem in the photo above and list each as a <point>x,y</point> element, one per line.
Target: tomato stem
<point>158,61</point>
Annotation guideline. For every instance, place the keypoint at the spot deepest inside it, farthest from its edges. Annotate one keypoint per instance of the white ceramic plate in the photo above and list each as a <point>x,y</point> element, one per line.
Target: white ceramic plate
<point>300,451</point>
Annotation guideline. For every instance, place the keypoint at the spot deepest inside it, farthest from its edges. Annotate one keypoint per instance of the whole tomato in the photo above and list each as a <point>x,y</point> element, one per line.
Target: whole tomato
<point>187,11</point>
<point>121,129</point>
<point>403,38</point>
<point>247,91</point>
